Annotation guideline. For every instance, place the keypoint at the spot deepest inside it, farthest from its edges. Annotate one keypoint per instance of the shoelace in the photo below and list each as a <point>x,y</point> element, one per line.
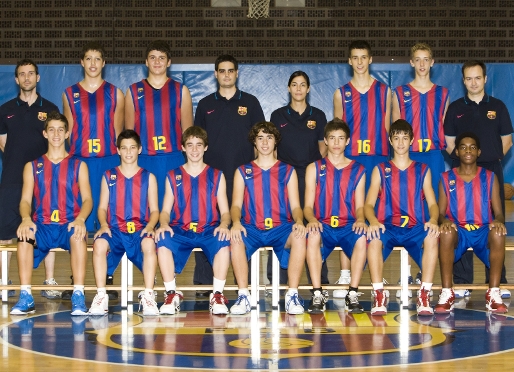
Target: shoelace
<point>354,298</point>
<point>170,296</point>
<point>242,298</point>
<point>379,297</point>
<point>495,296</point>
<point>423,296</point>
<point>317,299</point>
<point>97,300</point>
<point>145,301</point>
<point>51,281</point>
<point>295,299</point>
<point>445,296</point>
<point>218,298</point>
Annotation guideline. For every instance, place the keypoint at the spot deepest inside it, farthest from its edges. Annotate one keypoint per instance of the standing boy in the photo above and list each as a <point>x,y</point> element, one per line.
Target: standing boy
<point>423,104</point>
<point>334,209</point>
<point>469,197</point>
<point>59,185</point>
<point>266,198</point>
<point>190,218</point>
<point>128,213</point>
<point>364,104</point>
<point>400,220</point>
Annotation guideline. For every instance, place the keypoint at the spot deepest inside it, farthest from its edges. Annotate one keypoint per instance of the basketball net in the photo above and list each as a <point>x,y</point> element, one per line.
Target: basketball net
<point>258,8</point>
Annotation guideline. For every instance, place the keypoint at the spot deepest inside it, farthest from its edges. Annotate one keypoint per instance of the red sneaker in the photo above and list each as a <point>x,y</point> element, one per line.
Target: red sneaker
<point>446,301</point>
<point>423,305</point>
<point>379,303</point>
<point>493,301</point>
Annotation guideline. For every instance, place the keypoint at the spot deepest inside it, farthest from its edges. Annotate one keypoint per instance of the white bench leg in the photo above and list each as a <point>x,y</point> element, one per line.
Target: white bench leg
<point>130,280</point>
<point>5,294</point>
<point>254,277</point>
<point>404,275</point>
<point>124,284</point>
<point>275,281</point>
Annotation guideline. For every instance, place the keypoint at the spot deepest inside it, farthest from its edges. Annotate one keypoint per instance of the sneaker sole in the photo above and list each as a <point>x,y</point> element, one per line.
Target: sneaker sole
<point>443,311</point>
<point>97,313</point>
<point>425,313</point>
<point>151,313</point>
<point>79,312</point>
<point>315,311</point>
<point>496,311</point>
<point>50,297</point>
<point>19,312</point>
<point>295,313</point>
<point>220,312</point>
<point>237,312</point>
<point>354,311</point>
<point>379,312</point>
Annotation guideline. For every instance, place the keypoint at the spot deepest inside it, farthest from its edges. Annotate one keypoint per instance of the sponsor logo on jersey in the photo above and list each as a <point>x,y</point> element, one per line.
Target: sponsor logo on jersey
<point>491,115</point>
<point>41,116</point>
<point>311,124</point>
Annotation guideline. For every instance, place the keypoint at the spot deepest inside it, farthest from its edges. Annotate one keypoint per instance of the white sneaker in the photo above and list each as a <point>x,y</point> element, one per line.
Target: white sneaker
<point>218,304</point>
<point>50,293</point>
<point>461,293</point>
<point>341,293</point>
<point>100,304</point>
<point>154,294</point>
<point>242,305</point>
<point>294,303</point>
<point>149,305</point>
<point>171,304</point>
<point>505,293</point>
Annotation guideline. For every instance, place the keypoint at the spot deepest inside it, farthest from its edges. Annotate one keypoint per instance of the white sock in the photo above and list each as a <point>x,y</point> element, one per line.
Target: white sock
<point>170,286</point>
<point>292,291</point>
<point>101,291</point>
<point>243,291</point>
<point>345,273</point>
<point>149,292</point>
<point>79,288</point>
<point>377,286</point>
<point>26,288</point>
<point>218,285</point>
<point>427,286</point>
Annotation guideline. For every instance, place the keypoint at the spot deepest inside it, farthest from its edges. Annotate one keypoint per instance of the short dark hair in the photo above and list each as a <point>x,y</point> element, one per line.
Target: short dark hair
<point>268,128</point>
<point>225,58</point>
<point>128,134</point>
<point>336,124</point>
<point>296,74</point>
<point>401,126</point>
<point>474,63</point>
<point>25,62</point>
<point>94,46</point>
<point>197,132</point>
<point>159,45</point>
<point>472,135</point>
<point>359,44</point>
<point>56,115</point>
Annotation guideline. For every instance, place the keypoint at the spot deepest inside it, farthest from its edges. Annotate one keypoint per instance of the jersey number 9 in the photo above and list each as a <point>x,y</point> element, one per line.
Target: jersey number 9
<point>268,223</point>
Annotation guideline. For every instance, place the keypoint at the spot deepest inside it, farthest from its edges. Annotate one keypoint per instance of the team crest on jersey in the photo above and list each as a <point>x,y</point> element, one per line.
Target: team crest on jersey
<point>40,165</point>
<point>76,95</point>
<point>348,94</point>
<point>452,185</point>
<point>311,124</point>
<point>323,167</point>
<point>406,93</point>
<point>248,170</point>
<point>113,177</point>
<point>178,177</point>
<point>41,116</point>
<point>491,115</point>
<point>139,90</point>
<point>242,110</point>
<point>387,170</point>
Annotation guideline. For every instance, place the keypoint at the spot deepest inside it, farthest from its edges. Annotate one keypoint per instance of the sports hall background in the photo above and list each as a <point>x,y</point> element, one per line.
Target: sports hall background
<point>314,38</point>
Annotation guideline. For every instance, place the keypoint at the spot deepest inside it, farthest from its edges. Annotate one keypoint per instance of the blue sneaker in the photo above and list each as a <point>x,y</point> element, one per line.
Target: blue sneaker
<point>25,304</point>
<point>78,303</point>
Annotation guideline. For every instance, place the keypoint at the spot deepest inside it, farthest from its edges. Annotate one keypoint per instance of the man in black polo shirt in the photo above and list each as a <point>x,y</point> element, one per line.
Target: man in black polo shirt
<point>489,119</point>
<point>227,115</point>
<point>21,139</point>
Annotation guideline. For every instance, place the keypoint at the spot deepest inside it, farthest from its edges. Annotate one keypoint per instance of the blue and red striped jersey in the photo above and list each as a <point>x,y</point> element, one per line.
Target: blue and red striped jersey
<point>469,203</point>
<point>401,198</point>
<point>93,134</point>
<point>425,112</point>
<point>335,192</point>
<point>157,116</point>
<point>266,202</point>
<point>195,198</point>
<point>365,115</point>
<point>56,190</point>
<point>128,208</point>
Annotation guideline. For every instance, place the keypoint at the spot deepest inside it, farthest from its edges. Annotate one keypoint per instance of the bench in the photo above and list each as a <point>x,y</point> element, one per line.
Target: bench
<point>127,287</point>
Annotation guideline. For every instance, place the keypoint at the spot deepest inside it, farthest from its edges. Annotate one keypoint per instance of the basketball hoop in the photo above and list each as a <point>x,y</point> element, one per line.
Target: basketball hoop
<point>258,8</point>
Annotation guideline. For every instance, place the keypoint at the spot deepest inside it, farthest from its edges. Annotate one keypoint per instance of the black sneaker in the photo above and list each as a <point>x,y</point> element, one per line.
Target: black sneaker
<point>66,295</point>
<point>352,303</point>
<point>317,303</point>
<point>113,295</point>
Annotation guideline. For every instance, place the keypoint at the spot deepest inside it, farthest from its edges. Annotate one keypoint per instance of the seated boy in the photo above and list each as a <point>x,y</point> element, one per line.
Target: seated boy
<point>266,197</point>
<point>401,187</point>
<point>128,213</point>
<point>334,209</point>
<point>190,218</point>
<point>469,197</point>
<point>59,185</point>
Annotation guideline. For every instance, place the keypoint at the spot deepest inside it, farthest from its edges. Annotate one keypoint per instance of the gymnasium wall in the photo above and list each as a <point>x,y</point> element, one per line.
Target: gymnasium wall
<point>53,31</point>
<point>269,83</point>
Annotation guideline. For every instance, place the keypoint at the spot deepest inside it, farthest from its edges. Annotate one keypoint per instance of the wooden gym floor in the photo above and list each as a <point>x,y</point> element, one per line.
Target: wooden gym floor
<point>52,340</point>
